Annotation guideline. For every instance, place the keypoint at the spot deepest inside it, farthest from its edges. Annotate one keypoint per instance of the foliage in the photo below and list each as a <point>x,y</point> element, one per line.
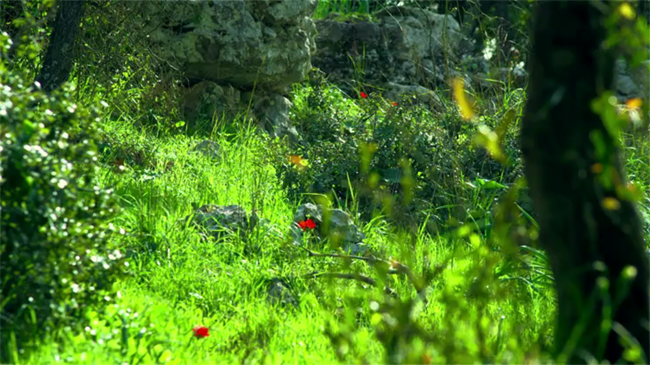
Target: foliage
<point>114,60</point>
<point>56,255</point>
<point>471,238</point>
<point>389,155</point>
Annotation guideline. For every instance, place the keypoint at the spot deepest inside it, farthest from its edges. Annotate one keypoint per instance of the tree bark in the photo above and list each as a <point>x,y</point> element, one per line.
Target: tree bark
<point>568,68</point>
<point>59,59</point>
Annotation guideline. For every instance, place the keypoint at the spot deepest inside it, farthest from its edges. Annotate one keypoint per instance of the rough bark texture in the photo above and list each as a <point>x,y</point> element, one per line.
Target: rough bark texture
<point>568,68</point>
<point>58,61</point>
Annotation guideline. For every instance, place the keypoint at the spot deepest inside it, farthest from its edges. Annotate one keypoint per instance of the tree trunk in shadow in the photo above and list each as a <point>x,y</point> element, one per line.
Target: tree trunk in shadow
<point>59,59</point>
<point>590,238</point>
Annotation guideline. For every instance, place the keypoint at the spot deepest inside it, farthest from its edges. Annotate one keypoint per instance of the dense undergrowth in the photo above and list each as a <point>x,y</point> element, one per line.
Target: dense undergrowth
<point>418,182</point>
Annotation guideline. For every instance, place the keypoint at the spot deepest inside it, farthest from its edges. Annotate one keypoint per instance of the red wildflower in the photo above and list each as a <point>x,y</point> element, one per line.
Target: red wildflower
<point>200,332</point>
<point>395,103</point>
<point>308,224</point>
<point>363,95</point>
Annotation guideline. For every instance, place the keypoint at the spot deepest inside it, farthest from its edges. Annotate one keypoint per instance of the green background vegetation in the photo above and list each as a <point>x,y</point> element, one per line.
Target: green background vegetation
<point>418,183</point>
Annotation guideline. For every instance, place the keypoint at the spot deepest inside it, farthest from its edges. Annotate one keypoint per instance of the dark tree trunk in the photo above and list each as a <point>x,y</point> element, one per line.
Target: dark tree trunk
<point>568,68</point>
<point>58,61</point>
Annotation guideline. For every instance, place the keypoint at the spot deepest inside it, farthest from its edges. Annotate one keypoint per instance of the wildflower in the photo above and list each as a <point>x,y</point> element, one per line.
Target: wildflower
<point>298,161</point>
<point>200,332</point>
<point>363,95</point>
<point>610,203</point>
<point>463,101</point>
<point>634,103</point>
<point>394,103</point>
<point>307,224</point>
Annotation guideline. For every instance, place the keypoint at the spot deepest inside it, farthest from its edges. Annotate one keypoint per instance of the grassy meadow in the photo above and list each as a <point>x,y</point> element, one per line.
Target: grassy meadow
<point>489,290</point>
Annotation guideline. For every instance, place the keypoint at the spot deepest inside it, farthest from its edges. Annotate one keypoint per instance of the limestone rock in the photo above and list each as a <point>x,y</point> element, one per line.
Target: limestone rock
<point>209,149</point>
<point>334,225</point>
<point>279,293</point>
<point>404,46</point>
<point>631,82</point>
<point>207,99</point>
<point>267,43</point>
<point>217,219</point>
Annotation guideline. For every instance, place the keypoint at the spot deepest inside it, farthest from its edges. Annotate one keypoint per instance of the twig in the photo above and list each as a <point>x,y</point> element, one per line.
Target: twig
<point>394,267</point>
<point>358,277</point>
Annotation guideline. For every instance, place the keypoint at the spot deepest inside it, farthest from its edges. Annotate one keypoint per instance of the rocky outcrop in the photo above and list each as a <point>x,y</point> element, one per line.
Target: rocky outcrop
<point>405,47</point>
<point>228,49</point>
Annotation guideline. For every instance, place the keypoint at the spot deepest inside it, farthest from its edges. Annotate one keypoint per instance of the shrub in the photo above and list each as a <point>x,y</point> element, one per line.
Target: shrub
<point>55,251</point>
<point>402,157</point>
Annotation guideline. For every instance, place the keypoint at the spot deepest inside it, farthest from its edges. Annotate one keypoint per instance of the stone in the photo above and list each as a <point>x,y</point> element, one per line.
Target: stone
<point>266,44</point>
<point>334,225</point>
<point>217,219</point>
<point>207,100</point>
<point>272,113</point>
<point>403,46</point>
<point>631,82</point>
<point>279,294</point>
<point>209,149</point>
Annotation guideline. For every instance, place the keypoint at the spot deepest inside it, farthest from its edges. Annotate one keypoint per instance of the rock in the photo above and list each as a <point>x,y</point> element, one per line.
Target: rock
<point>631,82</point>
<point>217,219</point>
<point>422,94</point>
<point>279,293</point>
<point>209,149</point>
<point>266,44</point>
<point>334,225</point>
<point>404,46</point>
<point>225,49</point>
<point>272,113</point>
<point>207,99</point>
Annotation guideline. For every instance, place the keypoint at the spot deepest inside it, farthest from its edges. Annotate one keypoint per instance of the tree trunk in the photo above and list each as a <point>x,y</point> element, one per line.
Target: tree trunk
<point>568,68</point>
<point>58,61</point>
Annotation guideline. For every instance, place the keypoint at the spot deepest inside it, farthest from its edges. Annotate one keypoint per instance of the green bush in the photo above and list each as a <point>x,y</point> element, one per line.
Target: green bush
<point>402,158</point>
<point>57,259</point>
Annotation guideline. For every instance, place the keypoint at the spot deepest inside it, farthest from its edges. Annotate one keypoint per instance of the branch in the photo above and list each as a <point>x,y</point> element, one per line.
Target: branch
<point>394,267</point>
<point>358,277</point>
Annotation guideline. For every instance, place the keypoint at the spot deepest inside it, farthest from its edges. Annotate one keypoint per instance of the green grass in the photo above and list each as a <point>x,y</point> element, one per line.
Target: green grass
<point>180,280</point>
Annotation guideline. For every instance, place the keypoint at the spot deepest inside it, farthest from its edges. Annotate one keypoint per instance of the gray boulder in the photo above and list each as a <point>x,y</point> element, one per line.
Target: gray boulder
<point>631,82</point>
<point>209,149</point>
<point>405,46</point>
<point>332,224</point>
<point>225,49</point>
<point>245,43</point>
<point>217,220</point>
<point>279,294</point>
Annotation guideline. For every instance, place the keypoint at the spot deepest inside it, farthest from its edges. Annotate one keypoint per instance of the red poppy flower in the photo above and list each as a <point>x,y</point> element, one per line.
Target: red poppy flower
<point>363,95</point>
<point>200,332</point>
<point>307,224</point>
